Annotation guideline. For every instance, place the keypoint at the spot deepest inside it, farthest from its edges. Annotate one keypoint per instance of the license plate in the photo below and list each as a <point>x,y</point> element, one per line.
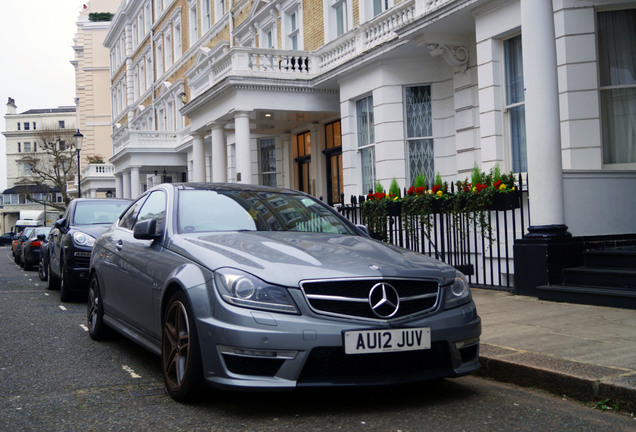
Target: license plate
<point>387,340</point>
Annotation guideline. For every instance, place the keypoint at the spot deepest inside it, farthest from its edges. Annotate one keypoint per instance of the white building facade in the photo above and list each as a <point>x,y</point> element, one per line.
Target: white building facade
<point>92,97</point>
<point>22,132</point>
<point>329,97</point>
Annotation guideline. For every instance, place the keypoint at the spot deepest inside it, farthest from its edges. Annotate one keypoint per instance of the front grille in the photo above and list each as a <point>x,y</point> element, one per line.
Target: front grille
<point>252,366</point>
<point>81,261</point>
<point>333,365</point>
<point>350,297</point>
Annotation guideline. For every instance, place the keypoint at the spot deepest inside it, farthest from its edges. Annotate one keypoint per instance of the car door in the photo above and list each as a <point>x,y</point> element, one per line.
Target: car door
<point>136,276</point>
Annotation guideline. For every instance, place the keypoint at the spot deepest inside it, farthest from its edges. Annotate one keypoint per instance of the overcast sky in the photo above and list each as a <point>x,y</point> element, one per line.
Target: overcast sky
<point>36,39</point>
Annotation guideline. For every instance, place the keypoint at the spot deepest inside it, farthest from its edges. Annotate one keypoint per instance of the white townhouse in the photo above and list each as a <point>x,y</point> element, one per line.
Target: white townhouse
<point>330,96</point>
<point>24,145</point>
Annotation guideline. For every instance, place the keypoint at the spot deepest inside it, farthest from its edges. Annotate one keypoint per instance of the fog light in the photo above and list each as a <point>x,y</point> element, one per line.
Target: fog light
<point>464,343</point>
<point>245,352</point>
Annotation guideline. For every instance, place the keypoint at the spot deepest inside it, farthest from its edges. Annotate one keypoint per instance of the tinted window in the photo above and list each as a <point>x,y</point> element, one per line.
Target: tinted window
<point>206,210</point>
<point>98,212</point>
<point>154,208</point>
<point>128,219</point>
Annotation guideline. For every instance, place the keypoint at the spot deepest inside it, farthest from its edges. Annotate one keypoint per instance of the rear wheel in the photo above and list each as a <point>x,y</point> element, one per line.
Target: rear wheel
<point>25,264</point>
<point>180,351</point>
<point>97,329</point>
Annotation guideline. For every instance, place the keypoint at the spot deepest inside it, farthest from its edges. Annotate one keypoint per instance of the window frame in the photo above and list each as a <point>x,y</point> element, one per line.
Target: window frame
<point>366,142</point>
<point>271,146</point>
<point>516,152</point>
<point>608,86</point>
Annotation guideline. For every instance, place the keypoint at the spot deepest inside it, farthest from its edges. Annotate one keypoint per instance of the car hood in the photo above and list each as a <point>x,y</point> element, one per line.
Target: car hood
<point>286,258</point>
<point>93,230</point>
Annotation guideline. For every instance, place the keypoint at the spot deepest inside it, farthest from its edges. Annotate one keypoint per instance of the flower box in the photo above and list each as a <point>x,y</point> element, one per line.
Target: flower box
<point>506,201</point>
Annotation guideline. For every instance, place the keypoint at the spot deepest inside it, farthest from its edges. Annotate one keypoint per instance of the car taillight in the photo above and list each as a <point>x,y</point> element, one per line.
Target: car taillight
<point>36,243</point>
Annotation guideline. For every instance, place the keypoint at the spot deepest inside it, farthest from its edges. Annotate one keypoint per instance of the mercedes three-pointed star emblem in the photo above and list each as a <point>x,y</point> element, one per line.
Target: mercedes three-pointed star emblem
<point>384,300</point>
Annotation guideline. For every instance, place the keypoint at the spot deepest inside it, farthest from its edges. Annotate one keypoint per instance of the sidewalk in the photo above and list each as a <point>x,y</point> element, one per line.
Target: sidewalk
<point>584,352</point>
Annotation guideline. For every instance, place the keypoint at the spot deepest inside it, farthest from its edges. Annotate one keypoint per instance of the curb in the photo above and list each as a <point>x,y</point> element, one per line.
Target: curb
<point>580,381</point>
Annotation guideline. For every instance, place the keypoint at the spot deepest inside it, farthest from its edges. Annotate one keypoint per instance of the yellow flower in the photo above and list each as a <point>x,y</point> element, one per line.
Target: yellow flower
<point>395,199</point>
<point>440,193</point>
<point>474,188</point>
<point>502,187</point>
<point>514,188</point>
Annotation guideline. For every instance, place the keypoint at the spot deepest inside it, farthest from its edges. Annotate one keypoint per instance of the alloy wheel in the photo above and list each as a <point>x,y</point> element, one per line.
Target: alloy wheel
<point>176,347</point>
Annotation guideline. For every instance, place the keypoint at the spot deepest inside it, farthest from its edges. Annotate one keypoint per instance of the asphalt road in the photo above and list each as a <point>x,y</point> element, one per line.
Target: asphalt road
<point>53,377</point>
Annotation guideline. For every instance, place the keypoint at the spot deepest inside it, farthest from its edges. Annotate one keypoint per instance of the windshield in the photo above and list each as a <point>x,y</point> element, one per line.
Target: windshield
<point>98,212</point>
<point>206,210</point>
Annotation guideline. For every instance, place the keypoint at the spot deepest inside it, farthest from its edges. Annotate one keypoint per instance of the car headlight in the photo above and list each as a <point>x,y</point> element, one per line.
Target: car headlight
<point>242,289</point>
<point>458,292</point>
<point>82,239</point>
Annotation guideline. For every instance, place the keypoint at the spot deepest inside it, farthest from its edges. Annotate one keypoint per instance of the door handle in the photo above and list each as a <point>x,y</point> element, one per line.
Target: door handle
<point>119,245</point>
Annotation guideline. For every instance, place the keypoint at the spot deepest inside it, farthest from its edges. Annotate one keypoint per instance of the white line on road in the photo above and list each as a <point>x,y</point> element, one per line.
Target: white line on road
<point>62,307</point>
<point>130,371</point>
<point>84,327</point>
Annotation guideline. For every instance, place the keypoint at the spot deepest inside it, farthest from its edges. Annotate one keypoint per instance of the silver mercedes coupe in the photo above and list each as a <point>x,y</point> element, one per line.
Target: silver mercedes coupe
<point>242,286</point>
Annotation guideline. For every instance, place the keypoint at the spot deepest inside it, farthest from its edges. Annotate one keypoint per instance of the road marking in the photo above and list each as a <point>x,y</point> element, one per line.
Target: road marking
<point>130,371</point>
<point>84,327</point>
<point>62,307</point>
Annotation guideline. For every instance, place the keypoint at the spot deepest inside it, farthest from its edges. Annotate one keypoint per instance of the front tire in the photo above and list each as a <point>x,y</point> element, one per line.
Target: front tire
<point>97,329</point>
<point>54,282</point>
<point>65,292</point>
<point>42,270</point>
<point>180,351</point>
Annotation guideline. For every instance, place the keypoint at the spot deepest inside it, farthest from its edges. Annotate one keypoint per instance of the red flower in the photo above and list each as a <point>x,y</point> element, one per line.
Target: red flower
<point>480,187</point>
<point>376,196</point>
<point>435,188</point>
<point>497,184</point>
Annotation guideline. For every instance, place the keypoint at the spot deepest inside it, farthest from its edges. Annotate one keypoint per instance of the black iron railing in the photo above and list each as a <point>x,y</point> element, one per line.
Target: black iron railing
<point>480,246</point>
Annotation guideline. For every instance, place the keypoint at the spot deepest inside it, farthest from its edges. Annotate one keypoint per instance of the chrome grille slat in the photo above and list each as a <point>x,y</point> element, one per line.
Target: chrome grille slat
<point>350,297</point>
<point>336,298</point>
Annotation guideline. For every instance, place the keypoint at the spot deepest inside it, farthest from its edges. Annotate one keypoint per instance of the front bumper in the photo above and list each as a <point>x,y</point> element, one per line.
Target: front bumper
<point>243,348</point>
<point>77,268</point>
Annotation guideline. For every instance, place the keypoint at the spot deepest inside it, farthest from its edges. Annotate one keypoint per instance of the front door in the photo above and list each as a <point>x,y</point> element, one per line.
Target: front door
<point>333,153</point>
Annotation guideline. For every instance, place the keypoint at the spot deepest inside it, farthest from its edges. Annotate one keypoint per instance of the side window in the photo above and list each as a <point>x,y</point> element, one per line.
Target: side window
<point>128,219</point>
<point>154,208</point>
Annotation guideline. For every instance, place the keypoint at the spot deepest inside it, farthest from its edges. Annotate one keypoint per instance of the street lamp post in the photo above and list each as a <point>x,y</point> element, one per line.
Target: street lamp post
<point>78,138</point>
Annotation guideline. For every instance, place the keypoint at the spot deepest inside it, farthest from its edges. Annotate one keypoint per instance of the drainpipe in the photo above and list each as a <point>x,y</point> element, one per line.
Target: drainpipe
<point>231,24</point>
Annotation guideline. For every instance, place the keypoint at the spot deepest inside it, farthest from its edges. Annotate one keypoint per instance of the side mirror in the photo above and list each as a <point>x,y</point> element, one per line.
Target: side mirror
<point>364,230</point>
<point>60,223</point>
<point>146,230</point>
<point>41,237</point>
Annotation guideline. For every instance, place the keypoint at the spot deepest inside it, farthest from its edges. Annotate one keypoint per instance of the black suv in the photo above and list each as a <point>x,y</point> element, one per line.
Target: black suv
<point>71,242</point>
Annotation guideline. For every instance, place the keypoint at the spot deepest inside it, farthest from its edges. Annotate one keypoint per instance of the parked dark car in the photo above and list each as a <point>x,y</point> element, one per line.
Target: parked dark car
<point>242,286</point>
<point>17,244</point>
<point>71,242</point>
<point>32,246</point>
<point>6,238</point>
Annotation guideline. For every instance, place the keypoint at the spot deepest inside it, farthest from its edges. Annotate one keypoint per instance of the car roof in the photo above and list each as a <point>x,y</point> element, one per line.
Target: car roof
<point>233,187</point>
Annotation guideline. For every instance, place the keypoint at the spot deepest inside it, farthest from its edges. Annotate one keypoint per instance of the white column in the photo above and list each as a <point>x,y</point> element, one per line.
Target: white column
<point>243,156</point>
<point>126,184</point>
<point>543,134</point>
<point>134,182</point>
<point>198,158</point>
<point>119,189</point>
<point>219,154</point>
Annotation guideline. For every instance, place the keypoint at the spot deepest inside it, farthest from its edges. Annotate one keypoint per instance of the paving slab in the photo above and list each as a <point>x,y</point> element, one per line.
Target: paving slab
<point>581,351</point>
